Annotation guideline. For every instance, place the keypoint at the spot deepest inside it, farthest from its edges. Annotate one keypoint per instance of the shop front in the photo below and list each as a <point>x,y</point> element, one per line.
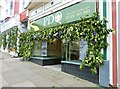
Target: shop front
<point>70,55</point>
<point>57,48</point>
<point>9,40</point>
<point>47,53</point>
<point>10,36</point>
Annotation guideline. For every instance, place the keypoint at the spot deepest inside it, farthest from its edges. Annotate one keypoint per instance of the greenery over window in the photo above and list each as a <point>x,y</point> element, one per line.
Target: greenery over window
<point>0,40</point>
<point>91,29</point>
<point>4,42</point>
<point>11,40</point>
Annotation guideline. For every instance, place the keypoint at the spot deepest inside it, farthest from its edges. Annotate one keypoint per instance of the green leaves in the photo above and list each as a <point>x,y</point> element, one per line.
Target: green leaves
<point>4,42</point>
<point>90,29</point>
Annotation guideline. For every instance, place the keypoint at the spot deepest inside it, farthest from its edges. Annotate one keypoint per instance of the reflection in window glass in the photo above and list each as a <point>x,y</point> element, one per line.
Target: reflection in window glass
<point>11,7</point>
<point>71,51</point>
<point>54,48</point>
<point>75,51</point>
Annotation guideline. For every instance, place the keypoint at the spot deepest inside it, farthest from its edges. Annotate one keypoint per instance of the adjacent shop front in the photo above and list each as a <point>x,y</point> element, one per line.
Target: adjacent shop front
<point>9,36</point>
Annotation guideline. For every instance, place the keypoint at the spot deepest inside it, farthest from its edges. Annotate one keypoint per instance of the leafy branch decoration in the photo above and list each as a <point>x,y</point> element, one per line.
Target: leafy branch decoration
<point>91,29</point>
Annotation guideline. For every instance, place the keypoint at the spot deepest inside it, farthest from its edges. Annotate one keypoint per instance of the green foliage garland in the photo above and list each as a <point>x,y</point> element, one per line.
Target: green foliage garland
<point>12,41</point>
<point>90,29</point>
<point>4,43</point>
<point>0,40</point>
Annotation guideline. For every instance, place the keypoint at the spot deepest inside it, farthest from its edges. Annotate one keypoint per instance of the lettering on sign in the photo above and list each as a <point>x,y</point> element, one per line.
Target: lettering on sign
<point>53,18</point>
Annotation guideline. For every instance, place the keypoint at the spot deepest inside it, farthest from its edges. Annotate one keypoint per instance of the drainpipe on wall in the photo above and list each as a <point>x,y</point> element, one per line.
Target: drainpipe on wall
<point>114,39</point>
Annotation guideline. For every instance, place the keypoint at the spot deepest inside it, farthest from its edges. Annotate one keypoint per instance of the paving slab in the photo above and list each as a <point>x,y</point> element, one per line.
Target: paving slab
<point>44,82</point>
<point>16,73</point>
<point>14,79</point>
<point>24,84</point>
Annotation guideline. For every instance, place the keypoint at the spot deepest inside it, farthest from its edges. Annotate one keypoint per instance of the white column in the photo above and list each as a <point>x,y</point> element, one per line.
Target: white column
<point>28,24</point>
<point>105,70</point>
<point>109,39</point>
<point>101,12</point>
<point>101,9</point>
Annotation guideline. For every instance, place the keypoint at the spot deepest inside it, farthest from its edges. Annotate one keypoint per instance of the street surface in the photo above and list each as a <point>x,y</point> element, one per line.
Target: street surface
<point>16,73</point>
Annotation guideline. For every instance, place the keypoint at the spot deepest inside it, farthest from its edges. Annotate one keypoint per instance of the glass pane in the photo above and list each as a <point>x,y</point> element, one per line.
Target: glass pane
<point>83,49</point>
<point>65,51</point>
<point>54,48</point>
<point>74,50</point>
<point>37,49</point>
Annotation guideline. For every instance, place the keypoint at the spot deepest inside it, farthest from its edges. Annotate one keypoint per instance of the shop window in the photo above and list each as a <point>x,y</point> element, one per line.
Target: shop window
<point>37,49</point>
<point>50,49</point>
<point>54,48</point>
<point>7,12</point>
<point>75,51</point>
<point>23,4</point>
<point>44,48</point>
<point>11,7</point>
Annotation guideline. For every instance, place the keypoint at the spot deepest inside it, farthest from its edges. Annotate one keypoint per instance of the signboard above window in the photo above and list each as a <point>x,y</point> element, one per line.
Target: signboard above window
<point>69,14</point>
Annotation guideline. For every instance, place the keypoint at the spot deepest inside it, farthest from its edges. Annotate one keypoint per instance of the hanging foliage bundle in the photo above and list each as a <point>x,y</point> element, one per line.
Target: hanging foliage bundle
<point>4,42</point>
<point>0,40</point>
<point>12,40</point>
<point>91,29</point>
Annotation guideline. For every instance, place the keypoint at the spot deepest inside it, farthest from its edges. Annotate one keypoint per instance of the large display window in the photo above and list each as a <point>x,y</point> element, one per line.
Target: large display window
<point>74,51</point>
<point>49,49</point>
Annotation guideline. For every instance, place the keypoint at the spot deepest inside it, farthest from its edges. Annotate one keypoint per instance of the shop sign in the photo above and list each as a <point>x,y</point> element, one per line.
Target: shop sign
<point>14,21</point>
<point>69,14</point>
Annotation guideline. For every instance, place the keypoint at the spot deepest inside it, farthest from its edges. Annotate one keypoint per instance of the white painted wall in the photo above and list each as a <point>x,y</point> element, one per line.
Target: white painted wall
<point>45,7</point>
<point>21,7</point>
<point>36,11</point>
<point>2,6</point>
<point>48,8</point>
<point>7,8</point>
<point>49,5</point>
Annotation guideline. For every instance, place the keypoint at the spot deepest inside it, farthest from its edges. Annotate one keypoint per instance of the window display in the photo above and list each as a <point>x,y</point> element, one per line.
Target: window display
<point>75,51</point>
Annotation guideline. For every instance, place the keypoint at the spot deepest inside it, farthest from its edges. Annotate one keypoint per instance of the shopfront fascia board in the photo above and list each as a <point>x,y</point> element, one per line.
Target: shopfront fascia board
<point>69,14</point>
<point>14,21</point>
<point>23,16</point>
